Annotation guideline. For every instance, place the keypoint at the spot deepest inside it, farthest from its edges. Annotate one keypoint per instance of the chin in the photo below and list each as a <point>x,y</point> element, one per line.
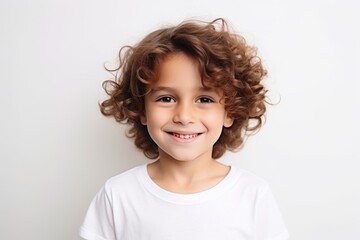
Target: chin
<point>185,154</point>
<point>184,157</point>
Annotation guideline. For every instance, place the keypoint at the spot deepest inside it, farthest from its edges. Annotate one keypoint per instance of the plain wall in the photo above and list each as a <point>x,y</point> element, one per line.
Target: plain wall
<point>56,149</point>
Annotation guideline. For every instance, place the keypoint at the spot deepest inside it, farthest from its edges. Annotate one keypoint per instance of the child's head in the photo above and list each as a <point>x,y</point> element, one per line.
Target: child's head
<point>225,62</point>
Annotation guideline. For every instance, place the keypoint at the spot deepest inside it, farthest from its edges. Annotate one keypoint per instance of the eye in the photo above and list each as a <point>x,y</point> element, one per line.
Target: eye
<point>204,100</point>
<point>166,99</point>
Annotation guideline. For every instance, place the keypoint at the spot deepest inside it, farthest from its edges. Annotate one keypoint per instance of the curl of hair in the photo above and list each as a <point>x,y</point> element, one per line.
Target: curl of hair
<point>225,62</point>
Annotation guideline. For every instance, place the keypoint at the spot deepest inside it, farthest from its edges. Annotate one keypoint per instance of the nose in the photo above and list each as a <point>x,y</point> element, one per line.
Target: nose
<point>184,113</point>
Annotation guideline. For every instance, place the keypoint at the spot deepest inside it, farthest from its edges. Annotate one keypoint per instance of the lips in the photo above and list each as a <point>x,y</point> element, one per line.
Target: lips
<point>184,136</point>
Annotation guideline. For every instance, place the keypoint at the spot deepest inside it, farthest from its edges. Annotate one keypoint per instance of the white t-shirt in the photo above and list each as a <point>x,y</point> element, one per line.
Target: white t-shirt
<point>130,206</point>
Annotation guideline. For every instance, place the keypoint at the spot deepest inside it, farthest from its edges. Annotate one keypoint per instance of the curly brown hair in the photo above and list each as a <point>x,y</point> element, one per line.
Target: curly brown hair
<point>225,62</point>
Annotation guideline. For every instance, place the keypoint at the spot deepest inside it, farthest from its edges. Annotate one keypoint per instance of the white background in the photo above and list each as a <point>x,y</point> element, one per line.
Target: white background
<point>56,149</point>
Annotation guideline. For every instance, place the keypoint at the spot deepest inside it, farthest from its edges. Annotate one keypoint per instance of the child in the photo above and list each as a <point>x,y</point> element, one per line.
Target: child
<point>189,93</point>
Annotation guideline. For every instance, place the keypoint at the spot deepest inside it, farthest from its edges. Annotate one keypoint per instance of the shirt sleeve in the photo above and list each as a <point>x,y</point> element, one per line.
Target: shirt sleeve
<point>99,222</point>
<point>269,224</point>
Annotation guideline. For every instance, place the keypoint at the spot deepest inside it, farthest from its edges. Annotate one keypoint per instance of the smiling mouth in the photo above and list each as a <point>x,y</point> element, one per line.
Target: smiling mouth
<point>184,136</point>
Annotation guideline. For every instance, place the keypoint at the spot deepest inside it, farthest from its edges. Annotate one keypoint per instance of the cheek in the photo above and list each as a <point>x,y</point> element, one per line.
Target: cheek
<point>156,118</point>
<point>152,113</point>
<point>215,120</point>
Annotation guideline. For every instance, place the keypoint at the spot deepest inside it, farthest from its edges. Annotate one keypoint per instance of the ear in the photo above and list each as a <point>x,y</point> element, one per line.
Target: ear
<point>228,121</point>
<point>143,120</point>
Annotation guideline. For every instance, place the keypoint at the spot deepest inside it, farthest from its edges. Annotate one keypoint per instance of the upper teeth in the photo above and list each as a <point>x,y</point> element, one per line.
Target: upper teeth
<point>185,136</point>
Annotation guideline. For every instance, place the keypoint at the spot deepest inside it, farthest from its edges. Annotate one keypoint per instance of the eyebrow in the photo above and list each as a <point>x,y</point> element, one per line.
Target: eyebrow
<point>170,89</point>
<point>161,88</point>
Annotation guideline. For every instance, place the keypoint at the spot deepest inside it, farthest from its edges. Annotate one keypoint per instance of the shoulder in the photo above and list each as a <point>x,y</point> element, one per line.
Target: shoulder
<point>248,177</point>
<point>250,183</point>
<point>127,180</point>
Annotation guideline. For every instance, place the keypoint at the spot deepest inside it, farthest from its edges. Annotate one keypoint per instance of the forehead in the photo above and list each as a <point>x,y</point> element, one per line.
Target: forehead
<point>178,69</point>
<point>179,65</point>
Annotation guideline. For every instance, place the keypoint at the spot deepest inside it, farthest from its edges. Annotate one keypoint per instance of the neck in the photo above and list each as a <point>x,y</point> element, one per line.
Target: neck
<point>187,176</point>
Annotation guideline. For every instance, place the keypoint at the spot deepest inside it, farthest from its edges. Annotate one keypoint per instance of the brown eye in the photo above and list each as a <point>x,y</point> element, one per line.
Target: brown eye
<point>205,100</point>
<point>165,99</point>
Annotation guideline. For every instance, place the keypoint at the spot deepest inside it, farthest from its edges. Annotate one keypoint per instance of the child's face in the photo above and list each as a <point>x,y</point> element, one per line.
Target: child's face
<point>183,118</point>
